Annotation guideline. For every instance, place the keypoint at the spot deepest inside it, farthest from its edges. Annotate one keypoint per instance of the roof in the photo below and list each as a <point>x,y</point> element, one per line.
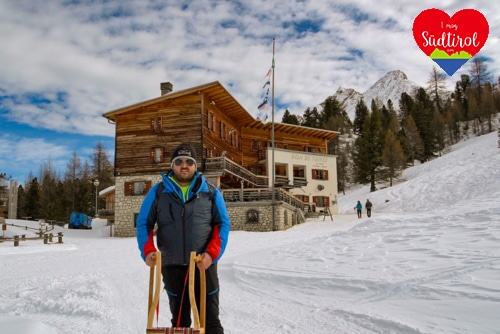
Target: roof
<point>218,95</point>
<point>106,190</point>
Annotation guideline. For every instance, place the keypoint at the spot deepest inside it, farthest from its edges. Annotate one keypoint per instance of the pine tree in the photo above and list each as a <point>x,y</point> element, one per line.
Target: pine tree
<point>360,114</point>
<point>392,156</point>
<point>3,188</point>
<point>312,118</point>
<point>21,202</point>
<point>290,118</point>
<point>414,146</point>
<point>333,109</point>
<point>438,125</point>
<point>33,206</point>
<point>367,151</point>
<point>406,105</point>
<point>422,113</point>
<point>460,95</point>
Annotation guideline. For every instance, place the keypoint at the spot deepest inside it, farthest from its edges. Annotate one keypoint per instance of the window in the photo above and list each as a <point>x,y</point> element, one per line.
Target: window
<point>281,170</point>
<point>303,198</point>
<point>156,124</point>
<point>157,155</point>
<point>211,121</point>
<point>255,145</point>
<point>321,201</point>
<point>299,171</point>
<point>137,188</point>
<point>233,136</point>
<point>222,129</point>
<point>319,174</point>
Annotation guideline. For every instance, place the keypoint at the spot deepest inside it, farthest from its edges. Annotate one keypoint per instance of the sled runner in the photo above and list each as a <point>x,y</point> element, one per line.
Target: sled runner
<point>155,282</point>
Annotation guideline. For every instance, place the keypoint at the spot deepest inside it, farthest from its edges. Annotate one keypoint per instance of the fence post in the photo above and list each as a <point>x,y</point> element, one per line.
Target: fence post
<point>16,240</point>
<point>60,237</point>
<point>45,238</point>
<point>50,237</point>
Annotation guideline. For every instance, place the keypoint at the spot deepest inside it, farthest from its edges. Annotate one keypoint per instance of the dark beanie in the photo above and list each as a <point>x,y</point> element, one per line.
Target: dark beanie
<point>184,150</point>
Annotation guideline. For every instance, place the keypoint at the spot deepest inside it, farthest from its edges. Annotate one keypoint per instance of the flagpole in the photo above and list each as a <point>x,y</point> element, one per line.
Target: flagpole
<point>273,168</point>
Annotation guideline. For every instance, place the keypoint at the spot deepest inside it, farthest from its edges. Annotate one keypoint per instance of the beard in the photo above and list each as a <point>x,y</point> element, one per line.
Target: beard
<point>184,176</point>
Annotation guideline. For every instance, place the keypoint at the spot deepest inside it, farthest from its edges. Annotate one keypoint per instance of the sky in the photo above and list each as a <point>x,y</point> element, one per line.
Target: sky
<point>64,63</point>
<point>426,261</point>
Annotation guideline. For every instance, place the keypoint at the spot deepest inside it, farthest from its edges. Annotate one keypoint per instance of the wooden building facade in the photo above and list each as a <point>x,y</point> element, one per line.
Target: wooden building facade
<point>234,151</point>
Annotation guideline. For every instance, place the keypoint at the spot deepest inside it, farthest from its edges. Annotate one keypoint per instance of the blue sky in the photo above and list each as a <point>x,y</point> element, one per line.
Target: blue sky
<point>65,63</point>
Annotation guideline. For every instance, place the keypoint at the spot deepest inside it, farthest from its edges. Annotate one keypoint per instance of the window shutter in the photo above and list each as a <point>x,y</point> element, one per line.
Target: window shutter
<point>152,155</point>
<point>314,174</point>
<point>147,186</point>
<point>327,201</point>
<point>326,175</point>
<point>315,200</point>
<point>162,154</point>
<point>128,188</point>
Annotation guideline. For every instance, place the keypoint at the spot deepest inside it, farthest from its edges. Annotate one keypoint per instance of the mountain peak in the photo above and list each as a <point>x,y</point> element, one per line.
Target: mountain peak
<point>389,87</point>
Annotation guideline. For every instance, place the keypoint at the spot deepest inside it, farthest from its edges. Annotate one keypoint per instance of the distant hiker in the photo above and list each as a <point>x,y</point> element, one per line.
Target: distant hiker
<point>358,208</point>
<point>368,207</point>
<point>190,215</point>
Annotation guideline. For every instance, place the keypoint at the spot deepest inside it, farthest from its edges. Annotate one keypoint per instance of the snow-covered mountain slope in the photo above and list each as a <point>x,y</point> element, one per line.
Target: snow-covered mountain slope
<point>389,87</point>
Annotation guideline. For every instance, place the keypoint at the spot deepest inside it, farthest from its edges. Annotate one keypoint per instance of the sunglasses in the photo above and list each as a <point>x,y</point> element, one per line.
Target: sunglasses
<point>188,162</point>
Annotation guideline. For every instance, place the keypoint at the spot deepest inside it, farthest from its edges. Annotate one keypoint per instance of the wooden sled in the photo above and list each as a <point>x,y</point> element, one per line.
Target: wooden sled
<point>155,283</point>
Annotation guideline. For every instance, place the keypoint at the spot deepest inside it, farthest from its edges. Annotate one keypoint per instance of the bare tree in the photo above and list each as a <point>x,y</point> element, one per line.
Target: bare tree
<point>436,88</point>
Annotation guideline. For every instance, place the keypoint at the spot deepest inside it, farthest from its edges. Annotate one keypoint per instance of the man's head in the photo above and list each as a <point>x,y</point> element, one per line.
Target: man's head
<point>184,163</point>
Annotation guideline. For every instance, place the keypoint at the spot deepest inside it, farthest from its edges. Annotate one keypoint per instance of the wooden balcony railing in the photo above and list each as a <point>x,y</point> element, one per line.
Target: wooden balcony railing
<point>222,163</point>
<point>264,194</point>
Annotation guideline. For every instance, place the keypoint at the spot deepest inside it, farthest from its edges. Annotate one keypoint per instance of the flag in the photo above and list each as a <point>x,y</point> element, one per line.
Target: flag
<point>262,116</point>
<point>268,74</point>
<point>263,105</point>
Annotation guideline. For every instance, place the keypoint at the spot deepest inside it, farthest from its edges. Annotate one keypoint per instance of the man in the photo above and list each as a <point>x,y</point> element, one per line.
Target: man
<point>190,215</point>
<point>368,207</point>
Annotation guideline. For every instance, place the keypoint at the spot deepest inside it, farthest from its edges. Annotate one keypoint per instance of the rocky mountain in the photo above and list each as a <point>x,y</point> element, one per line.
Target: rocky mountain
<point>390,86</point>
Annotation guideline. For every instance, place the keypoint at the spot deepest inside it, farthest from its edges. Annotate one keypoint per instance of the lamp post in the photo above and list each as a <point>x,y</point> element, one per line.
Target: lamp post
<point>95,182</point>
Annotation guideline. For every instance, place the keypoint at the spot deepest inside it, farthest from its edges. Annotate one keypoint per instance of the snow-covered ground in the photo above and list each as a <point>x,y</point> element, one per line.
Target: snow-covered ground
<point>427,261</point>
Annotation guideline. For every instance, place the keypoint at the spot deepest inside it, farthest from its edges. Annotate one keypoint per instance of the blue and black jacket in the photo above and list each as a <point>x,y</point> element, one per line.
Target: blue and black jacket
<point>200,222</point>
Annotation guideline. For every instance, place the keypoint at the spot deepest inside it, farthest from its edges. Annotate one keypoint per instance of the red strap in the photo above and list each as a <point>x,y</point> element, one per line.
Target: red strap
<point>157,313</point>
<point>182,298</point>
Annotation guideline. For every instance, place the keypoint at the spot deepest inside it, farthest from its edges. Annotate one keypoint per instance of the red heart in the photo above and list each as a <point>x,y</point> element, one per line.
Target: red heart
<point>467,30</point>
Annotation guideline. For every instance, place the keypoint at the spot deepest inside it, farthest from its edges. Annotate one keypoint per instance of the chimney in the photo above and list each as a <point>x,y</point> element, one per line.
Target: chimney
<point>166,87</point>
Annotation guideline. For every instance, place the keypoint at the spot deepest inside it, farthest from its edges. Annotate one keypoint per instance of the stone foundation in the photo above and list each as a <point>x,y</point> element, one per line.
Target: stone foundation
<point>256,216</point>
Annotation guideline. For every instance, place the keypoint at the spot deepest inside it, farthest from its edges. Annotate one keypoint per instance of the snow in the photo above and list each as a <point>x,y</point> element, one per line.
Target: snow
<point>427,261</point>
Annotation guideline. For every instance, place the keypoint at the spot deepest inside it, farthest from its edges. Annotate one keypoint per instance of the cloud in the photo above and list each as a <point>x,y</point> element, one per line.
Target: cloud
<point>86,58</point>
<point>29,154</point>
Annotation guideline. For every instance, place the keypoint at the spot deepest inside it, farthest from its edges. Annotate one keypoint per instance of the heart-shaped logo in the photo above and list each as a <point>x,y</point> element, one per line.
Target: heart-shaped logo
<point>450,41</point>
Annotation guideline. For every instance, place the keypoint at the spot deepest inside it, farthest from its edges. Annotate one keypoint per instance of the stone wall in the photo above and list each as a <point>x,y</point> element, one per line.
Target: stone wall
<point>127,207</point>
<point>256,216</point>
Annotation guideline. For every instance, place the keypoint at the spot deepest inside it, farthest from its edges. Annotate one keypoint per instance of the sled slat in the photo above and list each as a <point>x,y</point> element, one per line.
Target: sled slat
<point>154,299</point>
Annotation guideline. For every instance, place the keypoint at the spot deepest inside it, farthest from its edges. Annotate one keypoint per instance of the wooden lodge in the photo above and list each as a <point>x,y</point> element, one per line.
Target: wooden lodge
<point>234,152</point>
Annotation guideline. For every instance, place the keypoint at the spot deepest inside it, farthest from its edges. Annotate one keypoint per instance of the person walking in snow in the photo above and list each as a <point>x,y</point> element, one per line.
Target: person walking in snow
<point>368,206</point>
<point>190,215</point>
<point>358,208</point>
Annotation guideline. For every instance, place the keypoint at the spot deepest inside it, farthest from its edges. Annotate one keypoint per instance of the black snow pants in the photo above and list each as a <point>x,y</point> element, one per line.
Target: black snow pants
<point>176,282</point>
